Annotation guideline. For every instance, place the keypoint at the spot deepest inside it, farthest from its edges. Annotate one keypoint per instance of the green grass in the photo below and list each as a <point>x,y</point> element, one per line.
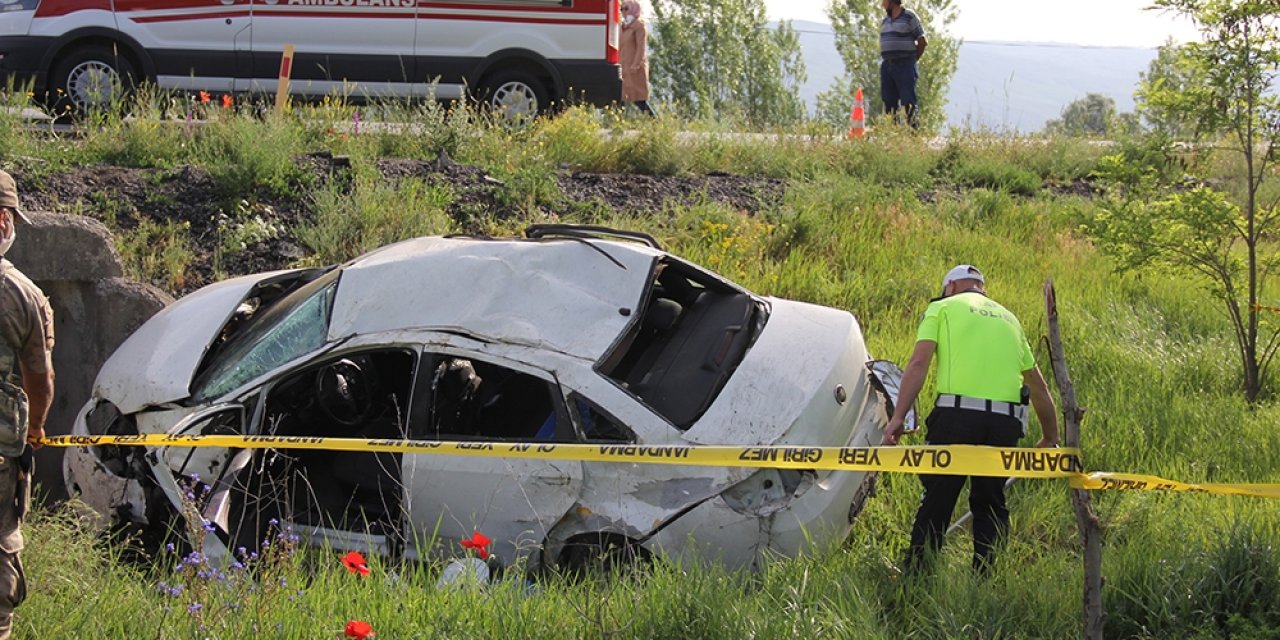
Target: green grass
<point>371,214</point>
<point>866,226</point>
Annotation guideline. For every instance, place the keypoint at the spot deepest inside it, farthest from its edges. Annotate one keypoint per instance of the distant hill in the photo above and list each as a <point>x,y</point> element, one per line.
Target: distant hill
<point>1006,86</point>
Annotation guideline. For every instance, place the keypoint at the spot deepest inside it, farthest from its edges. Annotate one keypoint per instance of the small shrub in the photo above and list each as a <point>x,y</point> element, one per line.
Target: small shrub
<point>998,176</point>
<point>653,150</point>
<point>144,142</point>
<point>903,164</point>
<point>373,213</point>
<point>246,156</point>
<point>249,223</point>
<point>159,253</point>
<point>576,139</point>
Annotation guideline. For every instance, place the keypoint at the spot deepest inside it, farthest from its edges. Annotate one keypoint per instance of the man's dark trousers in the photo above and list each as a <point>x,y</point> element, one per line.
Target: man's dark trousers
<point>898,86</point>
<point>986,494</point>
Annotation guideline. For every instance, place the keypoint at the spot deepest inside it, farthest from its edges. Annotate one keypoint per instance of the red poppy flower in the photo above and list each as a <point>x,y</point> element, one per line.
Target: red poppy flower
<point>204,97</point>
<point>359,629</point>
<point>479,543</point>
<point>355,563</point>
<point>227,101</point>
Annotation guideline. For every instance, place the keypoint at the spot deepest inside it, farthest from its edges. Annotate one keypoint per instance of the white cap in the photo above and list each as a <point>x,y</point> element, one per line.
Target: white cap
<point>962,272</point>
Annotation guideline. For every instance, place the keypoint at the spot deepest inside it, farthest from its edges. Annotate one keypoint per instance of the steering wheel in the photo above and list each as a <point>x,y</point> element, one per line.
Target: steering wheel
<point>344,393</point>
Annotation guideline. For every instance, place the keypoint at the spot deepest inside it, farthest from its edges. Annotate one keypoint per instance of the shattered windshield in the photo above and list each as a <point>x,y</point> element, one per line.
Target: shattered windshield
<point>295,326</point>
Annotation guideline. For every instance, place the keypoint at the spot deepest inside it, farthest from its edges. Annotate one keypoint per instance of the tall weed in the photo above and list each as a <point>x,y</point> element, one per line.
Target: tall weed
<point>159,253</point>
<point>246,156</point>
<point>373,213</point>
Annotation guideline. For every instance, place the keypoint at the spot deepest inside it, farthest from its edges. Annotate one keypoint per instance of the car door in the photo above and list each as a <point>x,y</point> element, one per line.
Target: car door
<point>468,397</point>
<point>632,496</point>
<point>340,48</point>
<point>199,45</point>
<point>205,475</point>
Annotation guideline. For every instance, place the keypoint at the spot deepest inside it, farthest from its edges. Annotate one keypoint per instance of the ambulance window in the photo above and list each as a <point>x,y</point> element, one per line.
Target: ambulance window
<point>18,5</point>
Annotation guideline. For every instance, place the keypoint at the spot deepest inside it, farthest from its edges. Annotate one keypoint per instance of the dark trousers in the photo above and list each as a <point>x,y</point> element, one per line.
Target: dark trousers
<point>986,494</point>
<point>898,87</point>
<point>643,106</point>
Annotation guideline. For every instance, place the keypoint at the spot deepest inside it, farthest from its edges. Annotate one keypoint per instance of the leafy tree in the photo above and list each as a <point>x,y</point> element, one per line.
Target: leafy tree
<point>1167,73</point>
<point>1220,233</point>
<point>857,31</point>
<point>1092,115</point>
<point>719,58</point>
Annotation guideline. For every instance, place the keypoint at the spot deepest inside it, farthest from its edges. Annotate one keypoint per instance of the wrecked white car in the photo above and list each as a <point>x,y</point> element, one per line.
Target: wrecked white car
<point>573,335</point>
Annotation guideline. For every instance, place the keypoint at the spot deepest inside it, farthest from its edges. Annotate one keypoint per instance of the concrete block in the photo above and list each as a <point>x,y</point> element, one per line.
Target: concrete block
<point>65,247</point>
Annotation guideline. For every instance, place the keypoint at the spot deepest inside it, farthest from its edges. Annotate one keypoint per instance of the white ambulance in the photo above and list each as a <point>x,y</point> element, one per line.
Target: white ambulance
<point>521,55</point>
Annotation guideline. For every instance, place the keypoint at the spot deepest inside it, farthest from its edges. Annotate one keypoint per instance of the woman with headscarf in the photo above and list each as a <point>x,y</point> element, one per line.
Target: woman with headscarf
<point>634,57</point>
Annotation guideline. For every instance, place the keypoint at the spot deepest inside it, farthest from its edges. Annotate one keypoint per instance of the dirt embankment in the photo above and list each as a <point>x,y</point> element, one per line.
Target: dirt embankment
<point>127,197</point>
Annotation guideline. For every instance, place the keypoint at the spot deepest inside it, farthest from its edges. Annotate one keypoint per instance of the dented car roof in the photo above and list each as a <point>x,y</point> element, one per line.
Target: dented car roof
<point>572,296</point>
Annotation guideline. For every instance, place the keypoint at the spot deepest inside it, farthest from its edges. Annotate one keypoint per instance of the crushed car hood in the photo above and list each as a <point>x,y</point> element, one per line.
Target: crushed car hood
<point>156,364</point>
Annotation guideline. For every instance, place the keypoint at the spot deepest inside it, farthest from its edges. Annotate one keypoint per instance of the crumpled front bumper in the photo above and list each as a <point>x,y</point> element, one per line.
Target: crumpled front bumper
<point>102,481</point>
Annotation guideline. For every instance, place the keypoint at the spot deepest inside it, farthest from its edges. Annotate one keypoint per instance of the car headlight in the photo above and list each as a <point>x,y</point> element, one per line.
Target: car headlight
<point>105,419</point>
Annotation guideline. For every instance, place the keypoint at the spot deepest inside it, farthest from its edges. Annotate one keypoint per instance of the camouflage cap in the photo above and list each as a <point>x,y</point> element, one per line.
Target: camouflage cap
<point>9,196</point>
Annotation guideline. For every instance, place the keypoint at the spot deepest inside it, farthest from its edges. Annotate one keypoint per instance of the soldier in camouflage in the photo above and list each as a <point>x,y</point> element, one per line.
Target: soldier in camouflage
<point>26,392</point>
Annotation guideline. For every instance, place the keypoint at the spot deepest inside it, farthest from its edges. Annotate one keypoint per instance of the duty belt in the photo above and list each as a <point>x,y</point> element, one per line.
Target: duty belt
<point>1012,409</point>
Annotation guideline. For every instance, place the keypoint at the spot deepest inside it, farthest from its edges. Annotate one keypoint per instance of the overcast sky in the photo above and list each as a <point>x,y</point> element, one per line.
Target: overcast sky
<point>1123,23</point>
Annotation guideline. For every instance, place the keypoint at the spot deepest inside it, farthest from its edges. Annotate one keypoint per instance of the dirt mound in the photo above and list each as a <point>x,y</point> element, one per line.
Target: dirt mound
<point>125,198</point>
<point>641,193</point>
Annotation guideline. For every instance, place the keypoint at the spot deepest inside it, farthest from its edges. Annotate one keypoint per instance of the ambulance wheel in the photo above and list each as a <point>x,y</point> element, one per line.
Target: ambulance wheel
<point>89,78</point>
<point>514,95</point>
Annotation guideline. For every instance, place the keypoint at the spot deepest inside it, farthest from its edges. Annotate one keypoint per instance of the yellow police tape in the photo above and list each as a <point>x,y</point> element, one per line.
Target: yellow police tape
<point>965,460</point>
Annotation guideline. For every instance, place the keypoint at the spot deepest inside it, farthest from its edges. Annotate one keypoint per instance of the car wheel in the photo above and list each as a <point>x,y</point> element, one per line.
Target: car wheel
<point>514,96</point>
<point>602,555</point>
<point>90,78</point>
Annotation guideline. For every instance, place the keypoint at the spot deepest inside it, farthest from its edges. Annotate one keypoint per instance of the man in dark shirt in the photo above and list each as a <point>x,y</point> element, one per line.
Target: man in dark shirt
<point>902,43</point>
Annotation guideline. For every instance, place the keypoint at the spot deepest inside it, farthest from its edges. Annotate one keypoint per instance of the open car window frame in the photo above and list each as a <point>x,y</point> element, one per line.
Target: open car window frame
<point>229,371</point>
<point>426,390</point>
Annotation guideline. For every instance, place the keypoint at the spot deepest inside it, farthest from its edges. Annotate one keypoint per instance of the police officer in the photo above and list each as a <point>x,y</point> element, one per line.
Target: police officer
<point>985,374</point>
<point>26,387</point>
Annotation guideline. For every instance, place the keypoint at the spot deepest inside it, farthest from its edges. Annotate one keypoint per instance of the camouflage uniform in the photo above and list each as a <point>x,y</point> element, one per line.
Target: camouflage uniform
<point>26,335</point>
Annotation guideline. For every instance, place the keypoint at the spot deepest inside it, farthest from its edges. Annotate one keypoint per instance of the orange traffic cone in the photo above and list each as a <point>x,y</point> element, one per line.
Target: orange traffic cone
<point>857,117</point>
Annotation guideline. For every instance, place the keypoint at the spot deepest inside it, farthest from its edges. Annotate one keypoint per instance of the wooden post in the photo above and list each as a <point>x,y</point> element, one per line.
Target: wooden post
<point>282,85</point>
<point>1090,528</point>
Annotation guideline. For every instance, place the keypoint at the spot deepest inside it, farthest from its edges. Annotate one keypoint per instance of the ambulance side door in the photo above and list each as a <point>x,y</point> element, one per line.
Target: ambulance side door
<point>201,45</point>
<point>349,49</point>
